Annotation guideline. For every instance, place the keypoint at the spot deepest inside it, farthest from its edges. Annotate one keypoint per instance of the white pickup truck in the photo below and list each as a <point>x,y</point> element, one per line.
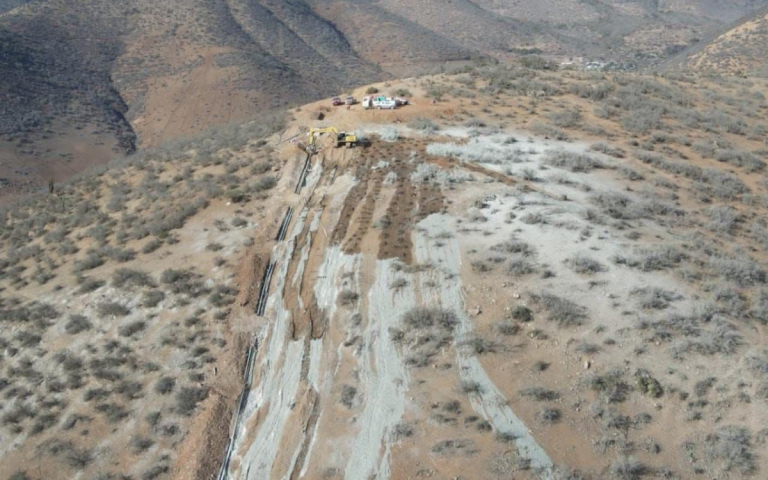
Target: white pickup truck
<point>373,101</point>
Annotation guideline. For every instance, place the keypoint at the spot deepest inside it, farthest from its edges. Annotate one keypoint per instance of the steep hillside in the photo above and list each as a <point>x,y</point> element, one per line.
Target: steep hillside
<point>741,49</point>
<point>525,274</point>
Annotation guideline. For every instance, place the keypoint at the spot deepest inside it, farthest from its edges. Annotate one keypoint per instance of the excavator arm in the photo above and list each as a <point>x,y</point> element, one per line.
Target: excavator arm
<point>341,138</point>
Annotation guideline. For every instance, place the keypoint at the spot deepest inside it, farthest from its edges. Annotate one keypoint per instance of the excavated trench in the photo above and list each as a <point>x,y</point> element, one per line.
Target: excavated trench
<point>354,229</point>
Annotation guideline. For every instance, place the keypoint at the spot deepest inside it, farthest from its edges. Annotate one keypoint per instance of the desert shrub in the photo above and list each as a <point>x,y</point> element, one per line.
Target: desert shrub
<point>214,247</point>
<point>743,270</point>
<point>113,309</point>
<point>730,448</point>
<point>389,134</point>
<point>630,174</point>
<point>470,387</point>
<point>719,338</point>
<point>515,246</point>
<point>702,387</point>
<point>165,385</point>
<point>759,309</point>
<point>654,298</point>
<point>371,90</point>
<point>508,328</point>
<point>185,282</point>
<point>141,444</point>
<point>113,412</point>
<point>586,348</point>
<point>453,447</point>
<point>549,131</point>
<point>90,262</point>
<point>348,297</point>
<point>549,416</point>
<point>423,318</point>
<point>89,284</point>
<point>539,366</point>
<point>79,458</point>
<point>519,267</point>
<point>151,246</point>
<point>127,277</point>
<point>77,324</point>
<point>608,150</point>
<point>188,398</point>
<point>722,218</point>
<point>522,314</point>
<point>610,385</point>
<point>480,346</point>
<point>565,118</point>
<point>748,161</point>
<point>97,394</point>
<point>653,258</point>
<point>540,394</point>
<point>222,296</point>
<point>648,385</point>
<point>561,311</point>
<point>132,328</point>
<point>402,92</point>
<point>627,468</point>
<point>129,390</point>
<point>585,265</point>
<point>532,218</point>
<point>264,183</point>
<point>155,472</point>
<point>152,298</point>
<point>348,393</point>
<point>424,125</point>
<point>44,422</point>
<point>119,255</point>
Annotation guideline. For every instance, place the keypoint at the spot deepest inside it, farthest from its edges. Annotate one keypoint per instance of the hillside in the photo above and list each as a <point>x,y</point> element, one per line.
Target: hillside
<point>526,274</point>
<point>83,81</point>
<point>740,49</point>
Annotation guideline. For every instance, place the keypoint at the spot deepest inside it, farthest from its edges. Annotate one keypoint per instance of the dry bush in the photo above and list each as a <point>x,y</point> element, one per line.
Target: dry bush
<point>560,310</point>
<point>585,265</point>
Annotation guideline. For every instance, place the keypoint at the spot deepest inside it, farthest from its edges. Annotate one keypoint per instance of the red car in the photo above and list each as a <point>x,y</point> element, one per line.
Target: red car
<point>337,101</point>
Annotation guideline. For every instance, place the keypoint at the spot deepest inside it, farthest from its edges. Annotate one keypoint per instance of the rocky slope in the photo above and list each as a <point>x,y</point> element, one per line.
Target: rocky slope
<point>740,49</point>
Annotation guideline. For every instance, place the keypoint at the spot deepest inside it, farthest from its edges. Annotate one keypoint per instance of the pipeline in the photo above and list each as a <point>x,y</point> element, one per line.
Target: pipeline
<point>284,226</point>
<point>247,384</point>
<point>261,307</point>
<point>303,176</point>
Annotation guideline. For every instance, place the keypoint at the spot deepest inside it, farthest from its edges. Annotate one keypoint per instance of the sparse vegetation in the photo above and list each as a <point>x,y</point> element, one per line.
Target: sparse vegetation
<point>561,311</point>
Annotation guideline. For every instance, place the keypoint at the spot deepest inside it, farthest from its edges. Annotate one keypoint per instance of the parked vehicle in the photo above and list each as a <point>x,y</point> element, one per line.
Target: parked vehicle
<point>337,101</point>
<point>379,101</point>
<point>350,100</point>
<point>401,101</point>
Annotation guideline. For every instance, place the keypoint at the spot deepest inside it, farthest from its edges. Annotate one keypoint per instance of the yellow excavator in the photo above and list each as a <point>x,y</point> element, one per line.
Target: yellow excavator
<point>342,138</point>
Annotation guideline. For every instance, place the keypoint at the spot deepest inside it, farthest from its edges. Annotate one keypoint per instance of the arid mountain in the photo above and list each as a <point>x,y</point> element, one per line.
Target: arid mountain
<point>739,49</point>
<point>82,80</point>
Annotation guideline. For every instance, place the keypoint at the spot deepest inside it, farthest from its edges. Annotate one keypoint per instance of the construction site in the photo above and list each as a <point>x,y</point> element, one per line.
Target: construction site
<point>472,285</point>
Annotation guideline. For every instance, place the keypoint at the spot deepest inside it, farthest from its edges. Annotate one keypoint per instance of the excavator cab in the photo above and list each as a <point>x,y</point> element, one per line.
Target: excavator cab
<point>350,140</point>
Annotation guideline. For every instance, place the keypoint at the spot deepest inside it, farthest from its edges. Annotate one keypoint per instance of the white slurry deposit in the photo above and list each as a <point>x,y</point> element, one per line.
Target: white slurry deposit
<point>383,376</point>
<point>447,293</point>
<point>279,367</point>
